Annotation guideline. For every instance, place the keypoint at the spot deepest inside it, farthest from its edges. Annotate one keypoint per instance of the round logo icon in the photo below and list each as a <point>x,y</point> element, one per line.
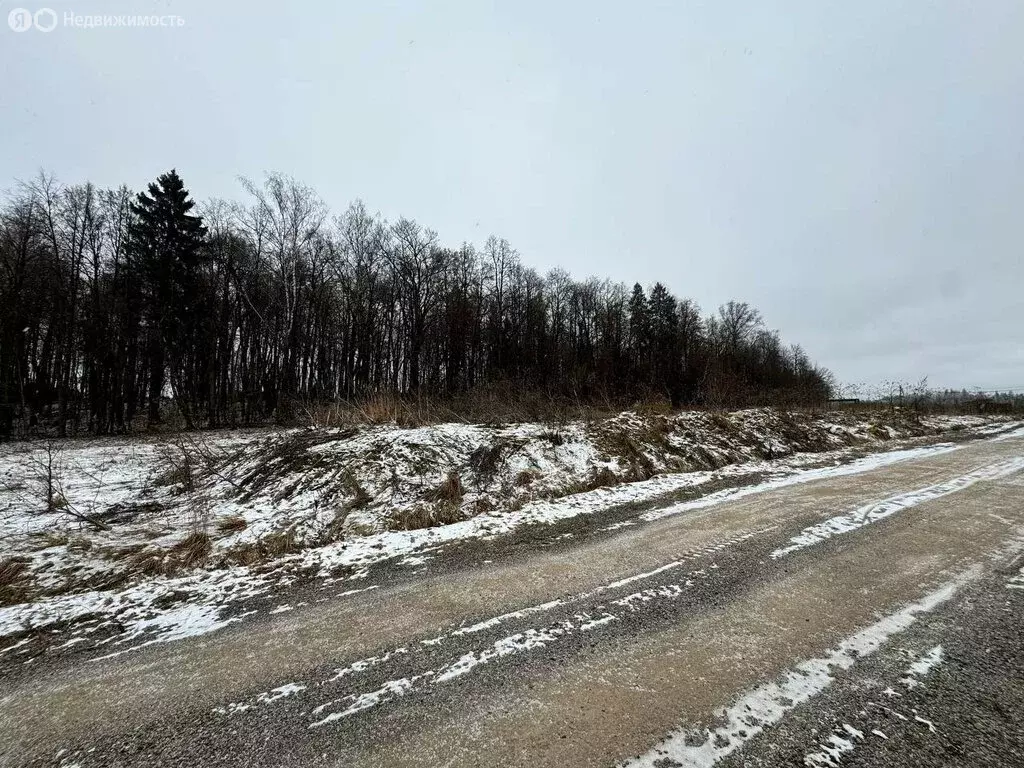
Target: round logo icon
<point>20,19</point>
<point>45,19</point>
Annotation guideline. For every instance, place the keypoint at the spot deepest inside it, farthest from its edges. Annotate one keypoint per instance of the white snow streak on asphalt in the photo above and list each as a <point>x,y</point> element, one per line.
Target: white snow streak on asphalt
<point>857,467</point>
<point>845,739</point>
<point>1017,582</point>
<point>526,640</point>
<point>879,510</point>
<point>276,694</point>
<point>922,667</point>
<point>496,620</point>
<point>390,690</point>
<point>363,664</point>
<point>1019,432</point>
<point>506,646</point>
<point>767,704</point>
<point>521,642</point>
<point>832,750</point>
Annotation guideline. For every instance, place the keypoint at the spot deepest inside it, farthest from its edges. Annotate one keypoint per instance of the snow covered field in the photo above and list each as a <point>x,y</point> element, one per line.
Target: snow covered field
<point>132,542</point>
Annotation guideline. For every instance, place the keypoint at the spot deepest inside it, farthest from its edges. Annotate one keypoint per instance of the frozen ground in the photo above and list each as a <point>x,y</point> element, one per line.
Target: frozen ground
<point>869,618</point>
<point>150,541</point>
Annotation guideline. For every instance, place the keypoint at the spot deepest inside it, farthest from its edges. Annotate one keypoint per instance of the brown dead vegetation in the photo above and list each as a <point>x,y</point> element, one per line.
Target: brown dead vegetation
<point>495,403</point>
<point>231,524</point>
<point>267,547</point>
<point>283,455</point>
<point>448,492</point>
<point>484,460</point>
<point>192,550</point>
<point>14,580</point>
<point>423,515</point>
<point>637,446</point>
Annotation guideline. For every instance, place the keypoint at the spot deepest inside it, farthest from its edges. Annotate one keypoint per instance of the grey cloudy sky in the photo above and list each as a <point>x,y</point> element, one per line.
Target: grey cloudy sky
<point>853,169</point>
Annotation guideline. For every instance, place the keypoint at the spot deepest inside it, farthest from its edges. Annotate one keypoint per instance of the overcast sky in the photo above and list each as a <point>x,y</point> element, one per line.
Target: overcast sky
<point>854,169</point>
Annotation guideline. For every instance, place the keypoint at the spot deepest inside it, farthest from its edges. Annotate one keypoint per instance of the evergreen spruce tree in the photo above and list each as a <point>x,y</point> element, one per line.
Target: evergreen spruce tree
<point>639,335</point>
<point>167,245</point>
<point>665,342</point>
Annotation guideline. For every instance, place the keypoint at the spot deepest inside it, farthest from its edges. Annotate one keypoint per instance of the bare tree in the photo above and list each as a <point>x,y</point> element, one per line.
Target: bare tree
<point>738,320</point>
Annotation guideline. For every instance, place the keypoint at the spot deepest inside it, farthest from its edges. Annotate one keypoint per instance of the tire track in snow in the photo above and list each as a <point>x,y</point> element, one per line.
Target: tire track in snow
<point>880,510</point>
<point>546,633</point>
<point>1016,582</point>
<point>767,704</point>
<point>526,640</point>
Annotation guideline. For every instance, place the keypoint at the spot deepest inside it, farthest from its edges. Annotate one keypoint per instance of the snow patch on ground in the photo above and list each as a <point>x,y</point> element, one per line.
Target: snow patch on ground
<point>783,479</point>
<point>922,667</point>
<point>529,639</point>
<point>838,744</point>
<point>212,593</point>
<point>165,608</point>
<point>1016,582</point>
<point>880,510</point>
<point>521,642</point>
<point>256,493</point>
<point>276,694</point>
<point>767,704</point>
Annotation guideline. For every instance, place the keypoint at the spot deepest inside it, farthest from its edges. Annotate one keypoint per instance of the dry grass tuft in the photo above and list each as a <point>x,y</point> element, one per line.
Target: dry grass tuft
<point>231,524</point>
<point>280,543</point>
<point>192,550</point>
<point>723,422</point>
<point>524,478</point>
<point>335,530</point>
<point>422,515</point>
<point>602,478</point>
<point>49,538</point>
<point>11,569</point>
<point>148,562</point>
<point>13,580</point>
<point>350,484</point>
<point>276,544</point>
<point>450,491</point>
<point>480,507</point>
<point>878,431</point>
<point>628,449</point>
<point>79,544</point>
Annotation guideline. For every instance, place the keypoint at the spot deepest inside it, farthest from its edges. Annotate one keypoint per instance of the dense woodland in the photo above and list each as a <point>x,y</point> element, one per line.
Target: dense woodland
<point>119,309</point>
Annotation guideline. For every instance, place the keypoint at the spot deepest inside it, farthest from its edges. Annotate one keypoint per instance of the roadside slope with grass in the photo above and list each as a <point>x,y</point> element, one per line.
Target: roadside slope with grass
<point>143,537</point>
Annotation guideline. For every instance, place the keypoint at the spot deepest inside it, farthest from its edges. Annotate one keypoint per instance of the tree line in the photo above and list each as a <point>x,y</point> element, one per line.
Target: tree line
<point>118,307</point>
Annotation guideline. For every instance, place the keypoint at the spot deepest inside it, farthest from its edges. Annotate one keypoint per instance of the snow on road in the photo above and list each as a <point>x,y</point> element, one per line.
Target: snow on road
<point>767,704</point>
<point>880,510</point>
<point>524,641</point>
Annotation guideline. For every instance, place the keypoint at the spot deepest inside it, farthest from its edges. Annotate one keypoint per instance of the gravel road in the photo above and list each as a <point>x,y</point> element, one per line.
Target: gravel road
<point>867,620</point>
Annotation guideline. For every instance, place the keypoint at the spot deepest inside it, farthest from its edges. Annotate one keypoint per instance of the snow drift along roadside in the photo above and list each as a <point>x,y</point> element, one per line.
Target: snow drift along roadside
<point>166,608</point>
<point>165,508</point>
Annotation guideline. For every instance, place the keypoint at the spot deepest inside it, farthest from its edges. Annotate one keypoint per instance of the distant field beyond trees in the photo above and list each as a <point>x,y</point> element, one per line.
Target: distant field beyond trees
<point>118,309</point>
